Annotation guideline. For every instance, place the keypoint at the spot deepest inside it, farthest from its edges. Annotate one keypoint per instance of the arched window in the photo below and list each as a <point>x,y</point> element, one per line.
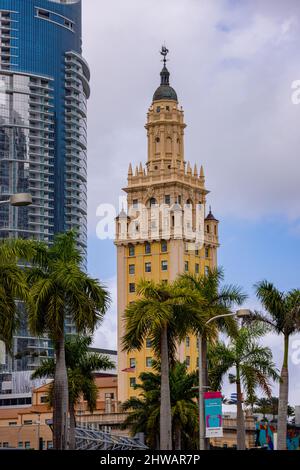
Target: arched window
<point>157,144</point>
<point>152,201</point>
<point>169,145</point>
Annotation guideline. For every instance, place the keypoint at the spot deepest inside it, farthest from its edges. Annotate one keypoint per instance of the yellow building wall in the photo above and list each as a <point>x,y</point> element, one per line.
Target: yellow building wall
<point>156,256</point>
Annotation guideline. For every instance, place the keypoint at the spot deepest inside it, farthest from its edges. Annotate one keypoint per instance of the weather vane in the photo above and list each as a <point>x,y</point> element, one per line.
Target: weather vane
<point>164,52</point>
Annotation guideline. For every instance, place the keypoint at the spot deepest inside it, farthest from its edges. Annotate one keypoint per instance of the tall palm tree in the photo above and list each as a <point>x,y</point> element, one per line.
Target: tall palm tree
<point>81,364</point>
<point>163,313</point>
<point>13,286</point>
<point>283,316</point>
<point>253,365</point>
<point>214,299</point>
<point>144,411</point>
<point>60,289</point>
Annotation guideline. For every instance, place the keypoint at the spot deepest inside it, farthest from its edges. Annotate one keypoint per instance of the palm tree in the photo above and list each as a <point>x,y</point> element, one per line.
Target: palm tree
<point>283,316</point>
<point>263,406</point>
<point>253,365</point>
<point>60,289</point>
<point>144,411</point>
<point>214,299</point>
<point>13,286</point>
<point>163,313</point>
<point>81,364</point>
<point>184,393</point>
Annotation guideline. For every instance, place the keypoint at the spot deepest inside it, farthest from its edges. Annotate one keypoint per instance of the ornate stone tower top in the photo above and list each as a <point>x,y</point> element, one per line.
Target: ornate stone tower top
<point>165,126</point>
<point>165,165</point>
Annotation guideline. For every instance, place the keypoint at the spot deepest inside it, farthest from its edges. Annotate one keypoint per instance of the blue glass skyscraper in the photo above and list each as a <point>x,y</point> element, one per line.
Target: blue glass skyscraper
<point>44,87</point>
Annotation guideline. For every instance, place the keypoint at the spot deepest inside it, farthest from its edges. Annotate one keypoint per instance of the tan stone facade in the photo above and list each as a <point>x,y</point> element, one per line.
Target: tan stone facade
<point>157,238</point>
<point>23,427</point>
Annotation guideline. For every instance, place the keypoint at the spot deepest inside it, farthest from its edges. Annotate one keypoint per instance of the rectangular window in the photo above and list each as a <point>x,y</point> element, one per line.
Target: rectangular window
<point>132,362</point>
<point>206,270</point>
<point>206,252</point>
<point>147,248</point>
<point>148,361</point>
<point>164,265</point>
<point>179,199</point>
<point>164,246</point>
<point>187,341</point>
<point>44,399</point>
<point>131,250</point>
<point>197,268</point>
<point>188,361</point>
<point>197,252</point>
<point>167,199</point>
<point>148,343</point>
<point>12,423</point>
<point>20,444</point>
<point>147,267</point>
<point>132,382</point>
<point>131,287</point>
<point>135,203</point>
<point>131,269</point>
<point>27,444</point>
<point>197,362</point>
<point>49,445</point>
<point>186,266</point>
<point>28,421</point>
<point>43,14</point>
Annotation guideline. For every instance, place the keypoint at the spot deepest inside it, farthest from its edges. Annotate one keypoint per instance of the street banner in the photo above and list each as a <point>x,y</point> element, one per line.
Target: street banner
<point>213,414</point>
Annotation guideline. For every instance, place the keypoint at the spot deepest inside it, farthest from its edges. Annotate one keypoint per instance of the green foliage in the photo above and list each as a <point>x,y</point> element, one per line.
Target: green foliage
<point>144,411</point>
<point>13,286</point>
<point>282,309</point>
<point>244,353</point>
<point>81,364</point>
<point>160,305</point>
<point>59,287</point>
<point>214,299</point>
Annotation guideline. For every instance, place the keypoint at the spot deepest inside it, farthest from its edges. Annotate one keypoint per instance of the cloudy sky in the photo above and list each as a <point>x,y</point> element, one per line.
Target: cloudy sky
<point>232,63</point>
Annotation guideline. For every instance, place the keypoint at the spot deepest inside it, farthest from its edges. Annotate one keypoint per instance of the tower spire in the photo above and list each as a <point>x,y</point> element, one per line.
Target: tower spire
<point>164,52</point>
<point>165,91</point>
<point>164,74</point>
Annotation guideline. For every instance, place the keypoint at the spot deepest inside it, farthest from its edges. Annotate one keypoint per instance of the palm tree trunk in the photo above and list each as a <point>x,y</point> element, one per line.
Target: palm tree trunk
<point>204,376</point>
<point>283,398</point>
<point>165,400</point>
<point>177,433</point>
<point>240,419</point>
<point>60,401</point>
<point>72,442</point>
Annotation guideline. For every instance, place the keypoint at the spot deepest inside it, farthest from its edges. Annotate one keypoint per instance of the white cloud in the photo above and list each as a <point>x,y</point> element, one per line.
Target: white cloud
<point>234,85</point>
<point>106,335</point>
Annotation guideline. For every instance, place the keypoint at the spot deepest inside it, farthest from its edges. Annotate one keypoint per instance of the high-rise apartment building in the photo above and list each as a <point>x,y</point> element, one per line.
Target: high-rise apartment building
<point>160,247</point>
<point>44,87</point>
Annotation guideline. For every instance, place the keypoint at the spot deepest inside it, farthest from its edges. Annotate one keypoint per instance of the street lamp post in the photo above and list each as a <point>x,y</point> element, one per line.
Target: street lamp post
<point>18,200</point>
<point>202,439</point>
